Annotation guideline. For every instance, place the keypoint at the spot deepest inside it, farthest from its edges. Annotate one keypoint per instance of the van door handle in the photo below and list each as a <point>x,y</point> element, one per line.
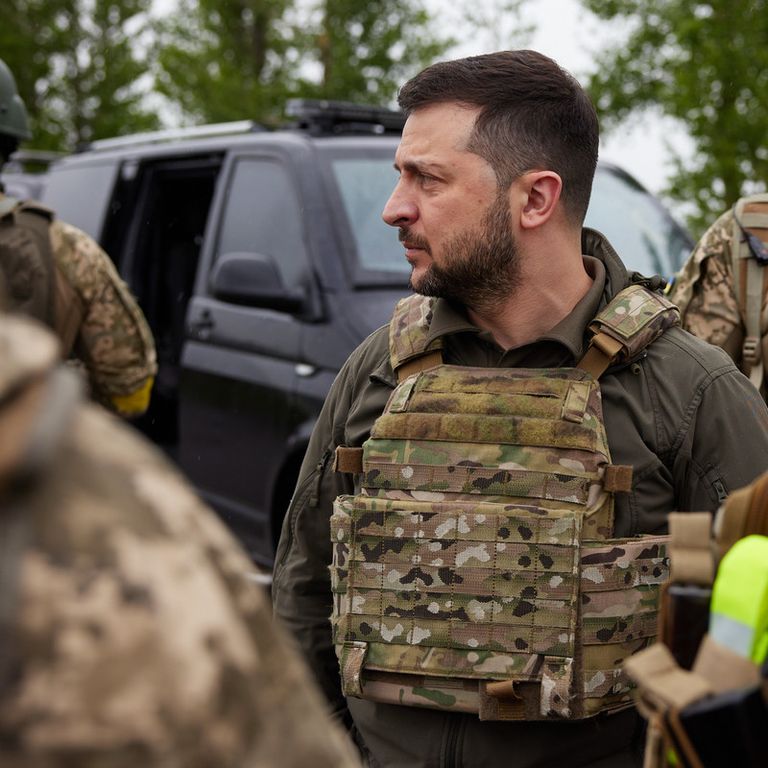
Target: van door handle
<point>202,327</point>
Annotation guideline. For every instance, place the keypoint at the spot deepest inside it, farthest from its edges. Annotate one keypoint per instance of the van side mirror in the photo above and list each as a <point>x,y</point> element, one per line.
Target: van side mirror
<point>253,279</point>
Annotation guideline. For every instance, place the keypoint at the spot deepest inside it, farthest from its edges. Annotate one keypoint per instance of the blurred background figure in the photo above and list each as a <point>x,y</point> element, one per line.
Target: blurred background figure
<point>59,275</point>
<point>129,631</point>
<point>721,290</point>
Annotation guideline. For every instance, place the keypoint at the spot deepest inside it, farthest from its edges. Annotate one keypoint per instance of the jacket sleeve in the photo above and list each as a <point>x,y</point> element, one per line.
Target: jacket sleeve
<point>114,341</point>
<point>723,441</point>
<point>301,588</point>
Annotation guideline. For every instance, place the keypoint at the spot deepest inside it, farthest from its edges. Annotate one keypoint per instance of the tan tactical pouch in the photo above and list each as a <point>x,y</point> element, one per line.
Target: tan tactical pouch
<point>663,687</point>
<point>475,570</point>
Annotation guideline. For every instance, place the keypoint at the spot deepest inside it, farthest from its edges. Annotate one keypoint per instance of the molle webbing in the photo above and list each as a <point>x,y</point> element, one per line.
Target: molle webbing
<point>478,550</point>
<point>439,602</point>
<point>475,570</point>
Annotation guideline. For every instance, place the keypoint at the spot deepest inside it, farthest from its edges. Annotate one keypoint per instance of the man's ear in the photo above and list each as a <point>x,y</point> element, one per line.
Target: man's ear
<point>542,193</point>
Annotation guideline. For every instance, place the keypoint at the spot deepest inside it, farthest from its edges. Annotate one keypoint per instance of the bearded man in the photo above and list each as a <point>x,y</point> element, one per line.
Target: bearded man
<point>490,478</point>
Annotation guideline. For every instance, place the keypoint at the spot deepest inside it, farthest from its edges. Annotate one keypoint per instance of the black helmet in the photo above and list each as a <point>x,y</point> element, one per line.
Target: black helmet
<point>13,114</point>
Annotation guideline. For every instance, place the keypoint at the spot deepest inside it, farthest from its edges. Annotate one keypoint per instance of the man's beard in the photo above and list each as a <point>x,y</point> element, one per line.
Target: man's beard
<point>480,269</point>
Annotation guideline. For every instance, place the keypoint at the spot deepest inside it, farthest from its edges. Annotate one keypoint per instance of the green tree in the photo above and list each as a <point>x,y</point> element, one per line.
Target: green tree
<point>77,68</point>
<point>367,49</point>
<point>222,60</point>
<point>497,23</point>
<point>705,64</point>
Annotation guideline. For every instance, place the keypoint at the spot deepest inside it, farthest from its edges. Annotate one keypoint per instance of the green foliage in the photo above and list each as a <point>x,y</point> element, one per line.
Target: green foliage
<point>76,67</point>
<point>222,60</point>
<point>705,64</point>
<point>231,59</point>
<point>498,23</point>
<point>367,49</point>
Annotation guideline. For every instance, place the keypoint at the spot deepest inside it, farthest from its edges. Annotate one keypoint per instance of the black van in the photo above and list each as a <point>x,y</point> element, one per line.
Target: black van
<point>260,260</point>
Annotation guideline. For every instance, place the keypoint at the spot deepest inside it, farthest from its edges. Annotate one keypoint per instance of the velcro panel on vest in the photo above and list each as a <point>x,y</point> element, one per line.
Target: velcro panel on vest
<point>474,408</point>
<point>348,460</point>
<point>618,478</point>
<point>635,318</point>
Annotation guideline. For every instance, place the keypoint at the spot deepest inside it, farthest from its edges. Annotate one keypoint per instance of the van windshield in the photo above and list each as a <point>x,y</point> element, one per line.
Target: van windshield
<point>644,234</point>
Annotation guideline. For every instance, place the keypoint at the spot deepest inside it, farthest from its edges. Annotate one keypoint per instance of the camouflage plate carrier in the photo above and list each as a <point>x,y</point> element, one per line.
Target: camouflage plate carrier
<point>475,570</point>
<point>30,280</point>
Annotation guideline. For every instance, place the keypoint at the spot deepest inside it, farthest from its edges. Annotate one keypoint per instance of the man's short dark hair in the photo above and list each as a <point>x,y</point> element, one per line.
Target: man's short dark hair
<point>533,116</point>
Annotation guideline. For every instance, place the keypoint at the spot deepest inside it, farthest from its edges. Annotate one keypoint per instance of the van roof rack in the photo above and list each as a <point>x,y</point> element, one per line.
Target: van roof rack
<point>173,134</point>
<point>319,116</point>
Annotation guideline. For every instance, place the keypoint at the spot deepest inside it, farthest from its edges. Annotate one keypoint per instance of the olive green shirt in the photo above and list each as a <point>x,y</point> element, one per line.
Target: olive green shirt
<point>689,423</point>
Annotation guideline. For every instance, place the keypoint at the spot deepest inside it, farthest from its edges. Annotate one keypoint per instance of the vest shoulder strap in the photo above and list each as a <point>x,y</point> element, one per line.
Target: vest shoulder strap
<point>632,320</point>
<point>27,259</point>
<point>410,347</point>
<point>750,277</point>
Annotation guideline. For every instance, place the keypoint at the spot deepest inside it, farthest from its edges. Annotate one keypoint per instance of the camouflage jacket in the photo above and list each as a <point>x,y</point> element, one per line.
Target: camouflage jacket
<point>682,416</point>
<point>114,341</point>
<point>703,290</point>
<point>130,633</point>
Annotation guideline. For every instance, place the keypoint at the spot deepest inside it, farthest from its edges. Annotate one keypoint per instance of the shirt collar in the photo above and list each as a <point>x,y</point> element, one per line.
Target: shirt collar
<point>449,319</point>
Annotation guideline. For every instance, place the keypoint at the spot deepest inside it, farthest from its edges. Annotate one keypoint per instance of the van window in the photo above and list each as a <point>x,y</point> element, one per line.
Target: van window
<point>263,215</point>
<point>87,209</point>
<point>641,230</point>
<point>644,235</point>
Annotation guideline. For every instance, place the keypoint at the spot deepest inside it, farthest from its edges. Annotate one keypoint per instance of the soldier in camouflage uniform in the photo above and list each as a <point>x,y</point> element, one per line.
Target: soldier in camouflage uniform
<point>130,633</point>
<point>496,163</point>
<point>86,303</point>
<point>705,288</point>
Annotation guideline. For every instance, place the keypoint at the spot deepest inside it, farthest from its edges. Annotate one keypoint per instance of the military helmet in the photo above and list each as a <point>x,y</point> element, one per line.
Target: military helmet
<point>13,113</point>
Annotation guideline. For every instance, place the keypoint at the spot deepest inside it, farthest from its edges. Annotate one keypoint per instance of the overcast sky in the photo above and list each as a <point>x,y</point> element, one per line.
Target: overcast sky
<point>571,35</point>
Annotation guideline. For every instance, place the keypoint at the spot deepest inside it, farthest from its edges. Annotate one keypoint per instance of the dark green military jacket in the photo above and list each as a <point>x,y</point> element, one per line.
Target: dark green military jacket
<point>692,427</point>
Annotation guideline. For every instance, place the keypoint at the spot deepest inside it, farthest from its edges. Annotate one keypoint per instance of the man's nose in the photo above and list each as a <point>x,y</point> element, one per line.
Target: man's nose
<point>399,210</point>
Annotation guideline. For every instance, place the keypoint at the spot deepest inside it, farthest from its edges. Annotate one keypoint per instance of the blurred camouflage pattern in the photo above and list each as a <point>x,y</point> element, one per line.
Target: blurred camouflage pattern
<point>135,636</point>
<point>703,290</point>
<point>114,340</point>
<point>89,306</point>
<point>722,288</point>
<point>478,549</point>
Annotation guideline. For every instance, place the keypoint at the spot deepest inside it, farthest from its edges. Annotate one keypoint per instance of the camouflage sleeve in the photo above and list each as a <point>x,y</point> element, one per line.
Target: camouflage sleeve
<point>114,341</point>
<point>703,290</point>
<point>142,640</point>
